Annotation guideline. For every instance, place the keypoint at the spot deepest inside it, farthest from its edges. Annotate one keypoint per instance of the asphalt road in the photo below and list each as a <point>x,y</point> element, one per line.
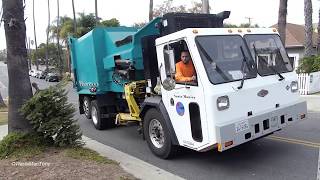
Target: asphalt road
<point>266,158</point>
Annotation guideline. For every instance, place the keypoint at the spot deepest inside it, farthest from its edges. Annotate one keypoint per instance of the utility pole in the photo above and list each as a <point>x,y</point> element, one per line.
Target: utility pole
<point>96,10</point>
<point>249,19</point>
<point>205,6</point>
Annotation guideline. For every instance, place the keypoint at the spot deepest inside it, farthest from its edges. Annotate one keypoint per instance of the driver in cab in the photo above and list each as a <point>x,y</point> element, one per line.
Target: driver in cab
<point>185,71</point>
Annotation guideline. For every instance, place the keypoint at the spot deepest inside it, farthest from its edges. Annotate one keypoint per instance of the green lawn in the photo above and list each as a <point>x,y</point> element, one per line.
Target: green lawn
<point>3,118</point>
<point>4,109</point>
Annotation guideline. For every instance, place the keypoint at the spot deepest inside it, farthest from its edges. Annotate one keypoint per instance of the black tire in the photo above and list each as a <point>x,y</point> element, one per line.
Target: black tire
<point>99,122</point>
<point>86,106</point>
<point>164,149</point>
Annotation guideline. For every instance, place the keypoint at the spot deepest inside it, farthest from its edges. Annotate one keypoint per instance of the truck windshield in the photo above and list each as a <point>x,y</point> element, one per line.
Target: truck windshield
<point>269,54</point>
<point>223,59</point>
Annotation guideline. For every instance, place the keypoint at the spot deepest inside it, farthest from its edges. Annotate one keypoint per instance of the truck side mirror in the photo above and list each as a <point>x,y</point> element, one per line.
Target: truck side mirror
<point>169,84</point>
<point>169,62</point>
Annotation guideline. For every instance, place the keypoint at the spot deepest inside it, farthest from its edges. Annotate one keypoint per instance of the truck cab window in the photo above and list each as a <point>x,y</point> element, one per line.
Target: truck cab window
<point>182,67</point>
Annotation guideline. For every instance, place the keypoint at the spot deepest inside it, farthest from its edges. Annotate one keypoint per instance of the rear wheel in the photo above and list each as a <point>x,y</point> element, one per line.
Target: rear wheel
<point>157,135</point>
<point>99,122</point>
<point>86,106</point>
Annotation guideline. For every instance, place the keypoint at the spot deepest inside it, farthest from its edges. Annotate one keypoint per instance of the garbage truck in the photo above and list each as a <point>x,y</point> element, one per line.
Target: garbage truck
<point>245,86</point>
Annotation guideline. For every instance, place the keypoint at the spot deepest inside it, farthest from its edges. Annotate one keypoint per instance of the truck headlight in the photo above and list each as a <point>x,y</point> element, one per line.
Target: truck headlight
<point>223,103</point>
<point>294,86</point>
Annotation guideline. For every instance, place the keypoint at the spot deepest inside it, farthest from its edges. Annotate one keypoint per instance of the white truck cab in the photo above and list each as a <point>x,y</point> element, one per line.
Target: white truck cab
<point>245,86</point>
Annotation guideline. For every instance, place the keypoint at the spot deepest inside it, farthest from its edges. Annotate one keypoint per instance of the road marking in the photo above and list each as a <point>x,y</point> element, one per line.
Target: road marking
<point>295,141</point>
<point>318,174</point>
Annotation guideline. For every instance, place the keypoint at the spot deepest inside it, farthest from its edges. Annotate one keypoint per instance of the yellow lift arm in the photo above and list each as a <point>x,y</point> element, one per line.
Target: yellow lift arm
<point>132,91</point>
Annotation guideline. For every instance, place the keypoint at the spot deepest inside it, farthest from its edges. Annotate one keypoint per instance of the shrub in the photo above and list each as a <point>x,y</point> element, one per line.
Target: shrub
<point>51,116</point>
<point>21,145</point>
<point>66,77</point>
<point>309,65</point>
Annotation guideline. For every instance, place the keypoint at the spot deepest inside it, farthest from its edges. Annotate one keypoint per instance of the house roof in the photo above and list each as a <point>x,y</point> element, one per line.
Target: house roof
<point>295,35</point>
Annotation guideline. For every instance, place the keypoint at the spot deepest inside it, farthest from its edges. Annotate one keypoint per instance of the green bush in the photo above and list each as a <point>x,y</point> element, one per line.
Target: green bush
<point>66,77</point>
<point>309,64</point>
<point>52,116</point>
<point>21,145</point>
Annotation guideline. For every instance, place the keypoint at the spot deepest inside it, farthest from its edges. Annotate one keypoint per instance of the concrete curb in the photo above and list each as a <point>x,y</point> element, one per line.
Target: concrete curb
<point>135,166</point>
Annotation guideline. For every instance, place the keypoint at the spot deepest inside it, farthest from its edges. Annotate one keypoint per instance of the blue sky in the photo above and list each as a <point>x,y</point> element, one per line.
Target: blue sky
<point>262,12</point>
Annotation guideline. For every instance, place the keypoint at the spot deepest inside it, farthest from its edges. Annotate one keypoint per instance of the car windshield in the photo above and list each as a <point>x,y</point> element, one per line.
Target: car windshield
<point>226,58</point>
<point>268,53</point>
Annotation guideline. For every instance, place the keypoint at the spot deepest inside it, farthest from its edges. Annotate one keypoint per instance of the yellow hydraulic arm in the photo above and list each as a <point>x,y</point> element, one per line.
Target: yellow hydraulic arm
<point>132,91</point>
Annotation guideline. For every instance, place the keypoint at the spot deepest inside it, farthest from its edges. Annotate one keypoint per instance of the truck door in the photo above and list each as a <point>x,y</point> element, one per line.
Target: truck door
<point>185,102</point>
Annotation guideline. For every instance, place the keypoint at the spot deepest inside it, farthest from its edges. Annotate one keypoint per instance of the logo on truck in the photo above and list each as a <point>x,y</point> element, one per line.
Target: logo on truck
<point>88,84</point>
<point>263,93</point>
<point>180,108</point>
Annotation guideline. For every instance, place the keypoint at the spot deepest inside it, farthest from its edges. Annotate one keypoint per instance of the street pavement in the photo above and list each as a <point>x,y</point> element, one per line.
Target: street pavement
<point>292,153</point>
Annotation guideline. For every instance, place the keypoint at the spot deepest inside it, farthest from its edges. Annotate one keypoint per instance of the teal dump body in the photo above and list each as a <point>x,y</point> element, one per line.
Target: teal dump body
<point>93,57</point>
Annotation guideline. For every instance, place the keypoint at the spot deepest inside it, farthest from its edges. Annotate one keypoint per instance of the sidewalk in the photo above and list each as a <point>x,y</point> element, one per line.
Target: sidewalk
<point>136,167</point>
<point>313,102</point>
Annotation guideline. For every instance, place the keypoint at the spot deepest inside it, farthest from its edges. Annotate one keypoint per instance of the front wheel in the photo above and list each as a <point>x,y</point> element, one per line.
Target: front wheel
<point>157,135</point>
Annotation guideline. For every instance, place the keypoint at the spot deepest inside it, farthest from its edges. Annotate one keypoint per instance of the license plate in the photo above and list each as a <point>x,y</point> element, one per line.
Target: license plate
<point>242,126</point>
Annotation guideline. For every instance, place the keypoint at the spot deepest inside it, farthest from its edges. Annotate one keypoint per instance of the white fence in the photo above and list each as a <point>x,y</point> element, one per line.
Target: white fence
<point>309,83</point>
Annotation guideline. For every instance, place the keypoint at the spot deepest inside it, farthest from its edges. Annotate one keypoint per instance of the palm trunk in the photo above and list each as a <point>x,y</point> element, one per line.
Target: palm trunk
<point>35,38</point>
<point>58,40</point>
<point>205,6</point>
<point>282,20</point>
<point>29,53</point>
<point>151,10</point>
<point>74,20</point>
<point>47,48</point>
<point>308,27</point>
<point>19,82</point>
<point>318,41</point>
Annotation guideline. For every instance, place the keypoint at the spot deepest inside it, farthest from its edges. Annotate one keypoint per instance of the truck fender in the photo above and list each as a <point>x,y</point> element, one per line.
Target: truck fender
<point>156,102</point>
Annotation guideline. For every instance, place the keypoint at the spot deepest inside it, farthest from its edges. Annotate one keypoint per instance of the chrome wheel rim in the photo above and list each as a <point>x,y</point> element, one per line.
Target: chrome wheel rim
<point>86,107</point>
<point>156,133</point>
<point>94,115</point>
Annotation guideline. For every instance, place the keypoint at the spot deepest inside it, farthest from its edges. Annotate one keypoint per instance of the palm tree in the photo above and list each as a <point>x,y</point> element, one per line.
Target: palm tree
<point>19,82</point>
<point>151,10</point>
<point>74,19</point>
<point>35,37</point>
<point>48,28</point>
<point>58,40</point>
<point>308,27</point>
<point>205,6</point>
<point>282,20</point>
<point>318,40</point>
